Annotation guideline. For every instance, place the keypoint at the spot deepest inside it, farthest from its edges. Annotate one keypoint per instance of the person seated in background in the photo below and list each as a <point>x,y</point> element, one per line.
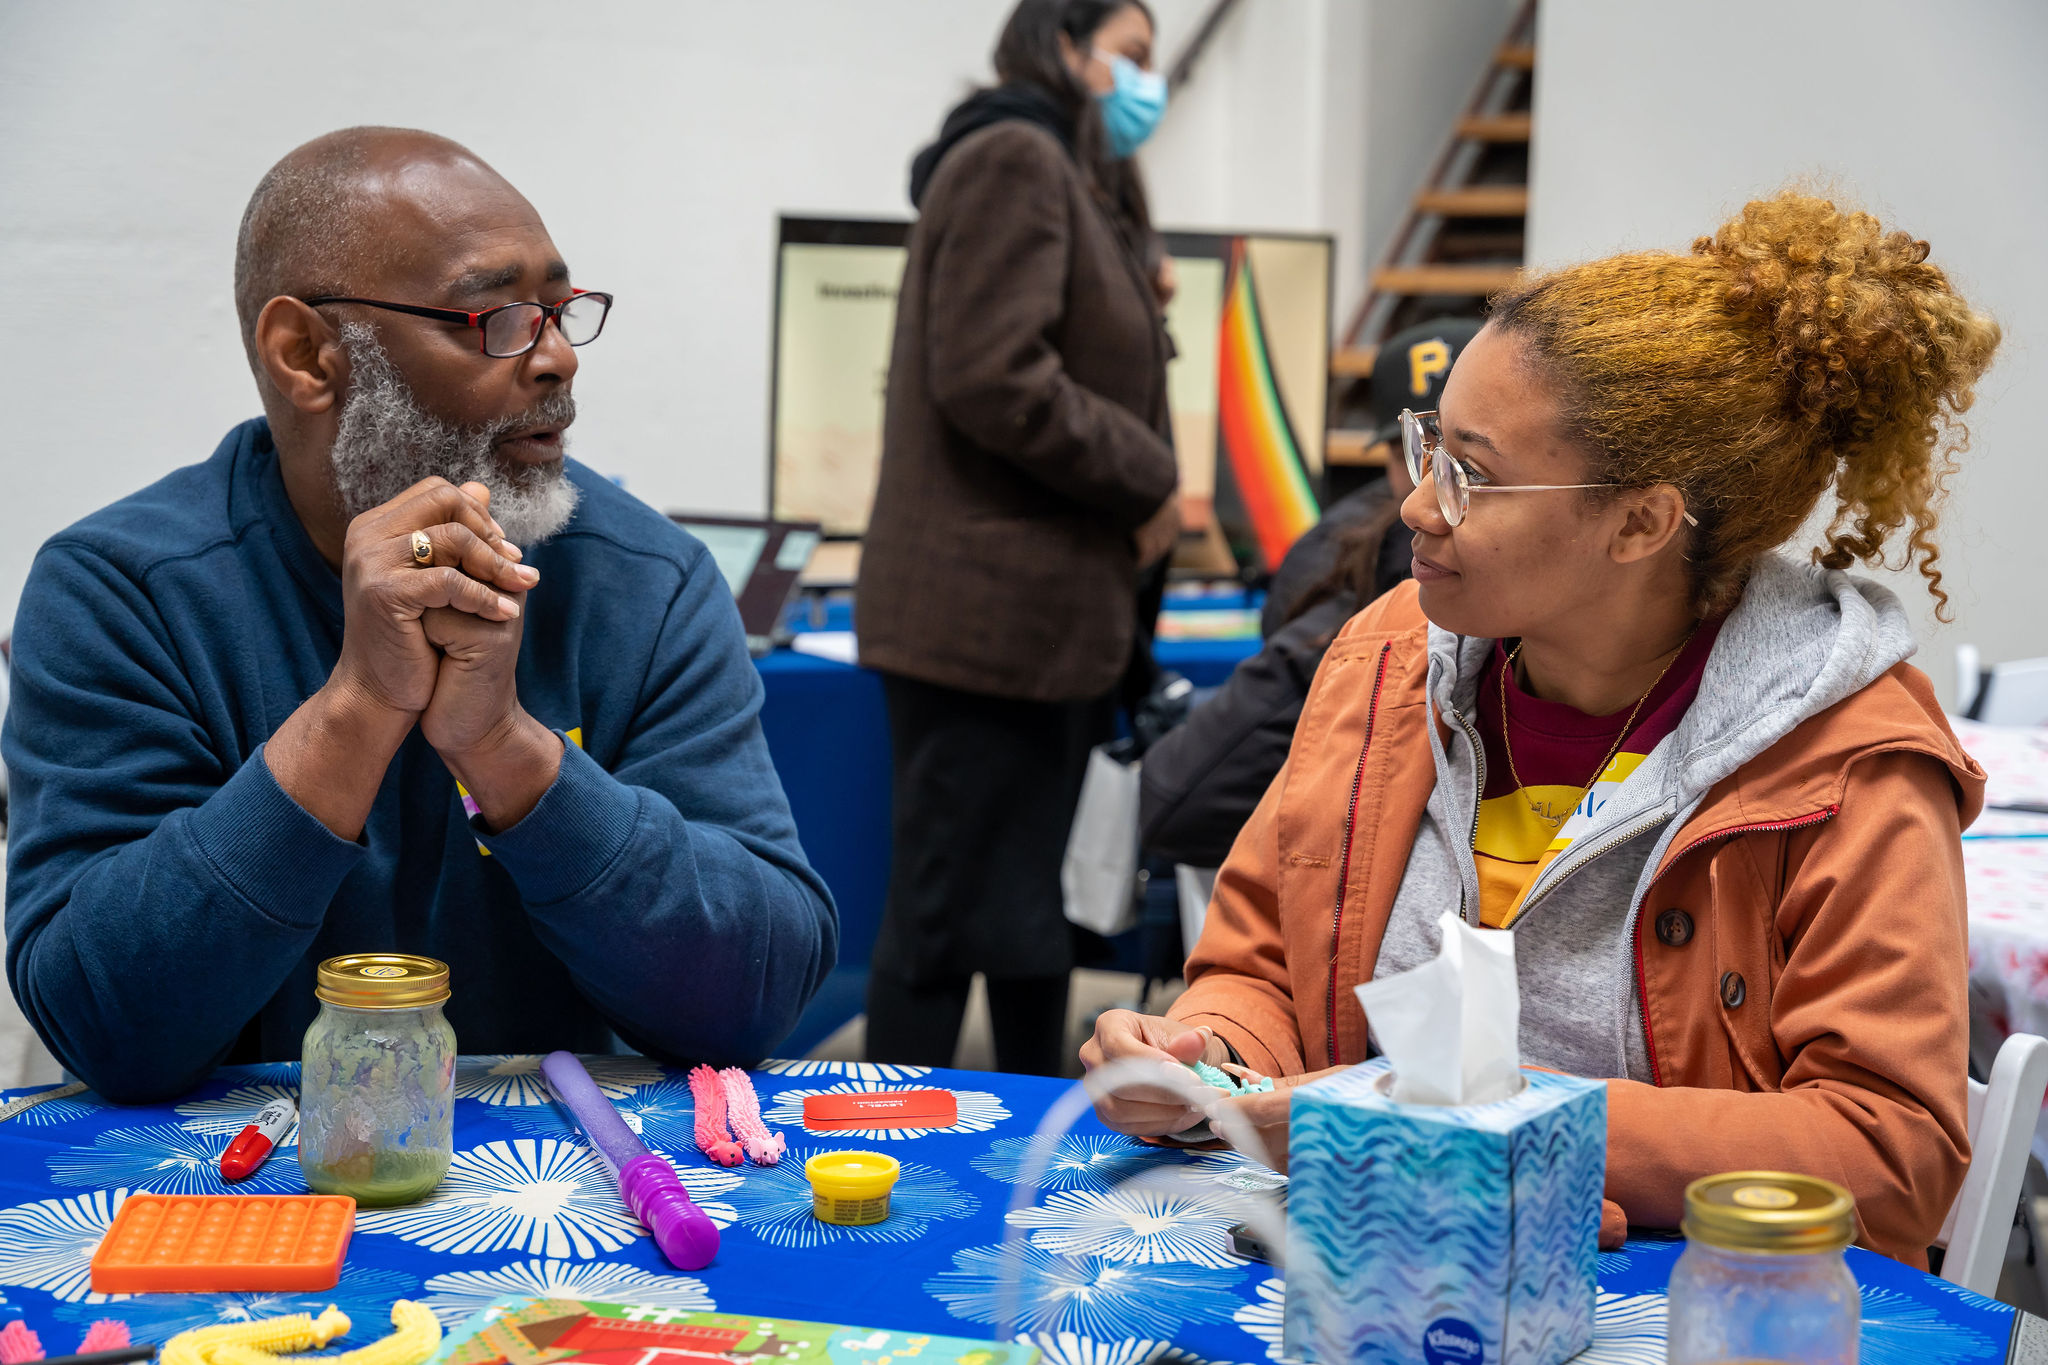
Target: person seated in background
<point>1202,779</point>
<point>389,672</point>
<point>1695,778</point>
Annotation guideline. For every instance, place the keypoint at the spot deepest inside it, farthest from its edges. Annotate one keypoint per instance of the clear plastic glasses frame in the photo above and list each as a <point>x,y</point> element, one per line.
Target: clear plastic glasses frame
<point>1422,446</point>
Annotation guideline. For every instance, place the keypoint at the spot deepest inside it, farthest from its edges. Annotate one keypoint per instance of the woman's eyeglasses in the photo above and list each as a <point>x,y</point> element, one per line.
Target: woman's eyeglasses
<point>1422,445</point>
<point>510,329</point>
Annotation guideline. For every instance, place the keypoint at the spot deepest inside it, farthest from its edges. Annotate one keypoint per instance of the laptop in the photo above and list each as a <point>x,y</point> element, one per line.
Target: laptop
<point>762,561</point>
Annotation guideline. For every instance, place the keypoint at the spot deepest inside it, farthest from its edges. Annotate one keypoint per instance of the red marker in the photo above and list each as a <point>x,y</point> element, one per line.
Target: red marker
<point>253,1144</point>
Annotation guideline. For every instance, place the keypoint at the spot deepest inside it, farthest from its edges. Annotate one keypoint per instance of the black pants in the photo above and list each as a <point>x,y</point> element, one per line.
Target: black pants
<point>984,792</point>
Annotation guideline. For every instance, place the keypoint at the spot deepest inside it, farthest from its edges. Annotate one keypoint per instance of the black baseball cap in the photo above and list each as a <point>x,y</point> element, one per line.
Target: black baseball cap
<point>1411,370</point>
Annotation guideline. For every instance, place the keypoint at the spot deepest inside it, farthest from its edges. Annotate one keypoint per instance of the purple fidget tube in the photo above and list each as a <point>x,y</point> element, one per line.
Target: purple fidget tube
<point>648,1184</point>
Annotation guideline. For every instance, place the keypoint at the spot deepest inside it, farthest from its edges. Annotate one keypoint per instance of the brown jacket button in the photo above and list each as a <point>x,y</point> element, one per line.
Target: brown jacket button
<point>1732,989</point>
<point>1674,928</point>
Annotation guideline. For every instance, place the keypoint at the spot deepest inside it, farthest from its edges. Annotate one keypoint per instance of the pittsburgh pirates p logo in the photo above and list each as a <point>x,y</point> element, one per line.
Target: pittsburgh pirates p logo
<point>1426,361</point>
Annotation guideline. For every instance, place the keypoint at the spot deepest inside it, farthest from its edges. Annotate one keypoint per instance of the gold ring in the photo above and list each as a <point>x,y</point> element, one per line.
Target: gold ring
<point>422,548</point>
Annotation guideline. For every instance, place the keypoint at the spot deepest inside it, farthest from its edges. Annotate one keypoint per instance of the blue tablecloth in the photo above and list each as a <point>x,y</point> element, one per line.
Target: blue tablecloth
<point>1105,1259</point>
<point>829,737</point>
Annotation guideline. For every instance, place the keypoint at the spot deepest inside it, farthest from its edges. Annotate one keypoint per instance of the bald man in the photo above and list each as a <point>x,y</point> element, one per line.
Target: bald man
<point>390,672</point>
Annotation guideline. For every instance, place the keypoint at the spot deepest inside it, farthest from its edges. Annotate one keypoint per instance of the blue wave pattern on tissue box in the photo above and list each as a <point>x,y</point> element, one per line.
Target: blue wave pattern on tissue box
<point>1452,1235</point>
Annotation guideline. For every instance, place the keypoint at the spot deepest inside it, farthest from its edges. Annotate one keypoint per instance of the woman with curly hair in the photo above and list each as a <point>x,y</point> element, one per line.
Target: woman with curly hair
<point>1695,777</point>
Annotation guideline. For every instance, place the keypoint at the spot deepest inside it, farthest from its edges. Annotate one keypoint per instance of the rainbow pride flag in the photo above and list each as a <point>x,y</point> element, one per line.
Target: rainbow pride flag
<point>1265,459</point>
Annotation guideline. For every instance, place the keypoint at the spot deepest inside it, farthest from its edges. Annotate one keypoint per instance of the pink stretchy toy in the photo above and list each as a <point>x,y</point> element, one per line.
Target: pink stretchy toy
<point>743,1111</point>
<point>18,1345</point>
<point>712,1138</point>
<point>104,1335</point>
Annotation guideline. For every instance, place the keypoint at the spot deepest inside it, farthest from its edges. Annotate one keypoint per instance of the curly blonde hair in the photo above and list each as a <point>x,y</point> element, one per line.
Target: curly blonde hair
<point>1802,345</point>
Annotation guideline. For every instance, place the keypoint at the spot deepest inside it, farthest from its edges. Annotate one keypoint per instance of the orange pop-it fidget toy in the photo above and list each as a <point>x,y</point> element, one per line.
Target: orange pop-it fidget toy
<point>224,1243</point>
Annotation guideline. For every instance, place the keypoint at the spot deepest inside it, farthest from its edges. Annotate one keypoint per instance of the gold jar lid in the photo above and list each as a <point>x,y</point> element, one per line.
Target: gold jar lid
<point>381,981</point>
<point>1770,1211</point>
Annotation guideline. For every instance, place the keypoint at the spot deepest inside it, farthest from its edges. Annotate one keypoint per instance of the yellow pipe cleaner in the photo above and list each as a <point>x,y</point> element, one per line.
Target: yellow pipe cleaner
<point>416,1333</point>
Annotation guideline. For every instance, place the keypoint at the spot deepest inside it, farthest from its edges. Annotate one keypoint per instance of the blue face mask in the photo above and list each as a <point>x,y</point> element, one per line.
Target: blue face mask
<point>1134,107</point>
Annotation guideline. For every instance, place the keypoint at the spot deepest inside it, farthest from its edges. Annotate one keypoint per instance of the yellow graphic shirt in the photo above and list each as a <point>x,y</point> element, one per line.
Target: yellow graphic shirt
<point>1522,829</point>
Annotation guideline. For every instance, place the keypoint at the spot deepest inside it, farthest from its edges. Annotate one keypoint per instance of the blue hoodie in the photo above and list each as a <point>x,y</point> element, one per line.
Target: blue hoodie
<point>167,901</point>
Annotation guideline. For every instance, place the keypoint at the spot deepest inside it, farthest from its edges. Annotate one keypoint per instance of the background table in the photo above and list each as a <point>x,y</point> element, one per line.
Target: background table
<point>1117,1258</point>
<point>829,736</point>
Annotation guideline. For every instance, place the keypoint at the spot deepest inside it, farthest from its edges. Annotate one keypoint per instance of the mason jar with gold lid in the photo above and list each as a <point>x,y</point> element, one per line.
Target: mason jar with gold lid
<point>377,1080</point>
<point>1763,1277</point>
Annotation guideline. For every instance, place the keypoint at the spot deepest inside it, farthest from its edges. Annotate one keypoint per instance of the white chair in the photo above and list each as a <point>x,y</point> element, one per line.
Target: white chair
<point>2003,1115</point>
<point>2014,693</point>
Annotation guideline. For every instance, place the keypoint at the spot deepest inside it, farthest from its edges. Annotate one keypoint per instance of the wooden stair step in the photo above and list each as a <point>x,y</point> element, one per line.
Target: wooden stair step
<point>1495,127</point>
<point>1344,447</point>
<point>1353,362</point>
<point>1444,279</point>
<point>1475,201</point>
<point>1516,57</point>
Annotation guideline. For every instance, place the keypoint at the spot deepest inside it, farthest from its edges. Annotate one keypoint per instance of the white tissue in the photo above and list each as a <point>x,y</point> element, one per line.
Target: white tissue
<point>1451,1027</point>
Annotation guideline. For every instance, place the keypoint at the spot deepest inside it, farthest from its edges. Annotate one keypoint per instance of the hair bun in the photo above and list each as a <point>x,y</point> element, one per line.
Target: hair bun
<point>1846,306</point>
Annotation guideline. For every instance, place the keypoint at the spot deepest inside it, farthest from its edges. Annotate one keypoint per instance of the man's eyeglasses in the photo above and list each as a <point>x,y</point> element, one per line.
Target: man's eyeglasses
<point>510,329</point>
<point>1422,445</point>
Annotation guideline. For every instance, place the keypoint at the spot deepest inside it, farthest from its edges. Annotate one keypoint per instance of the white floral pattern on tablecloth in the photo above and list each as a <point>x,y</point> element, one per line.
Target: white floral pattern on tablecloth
<point>536,1195</point>
<point>860,1071</point>
<point>48,1244</point>
<point>1090,1296</point>
<point>515,1079</point>
<point>1136,1222</point>
<point>168,1158</point>
<point>456,1295</point>
<point>1081,1161</point>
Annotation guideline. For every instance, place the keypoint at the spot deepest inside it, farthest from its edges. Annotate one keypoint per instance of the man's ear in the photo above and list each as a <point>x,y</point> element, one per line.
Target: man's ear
<point>302,355</point>
<point>1654,516</point>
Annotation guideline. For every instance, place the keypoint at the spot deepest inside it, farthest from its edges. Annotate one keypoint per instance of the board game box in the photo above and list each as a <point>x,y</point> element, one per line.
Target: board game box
<point>527,1331</point>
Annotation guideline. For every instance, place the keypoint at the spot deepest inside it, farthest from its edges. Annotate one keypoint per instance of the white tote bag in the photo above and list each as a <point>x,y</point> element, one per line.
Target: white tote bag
<point>1100,872</point>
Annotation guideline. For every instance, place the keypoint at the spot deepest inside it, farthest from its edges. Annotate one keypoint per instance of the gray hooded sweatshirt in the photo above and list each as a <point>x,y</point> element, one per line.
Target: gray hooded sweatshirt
<point>1801,639</point>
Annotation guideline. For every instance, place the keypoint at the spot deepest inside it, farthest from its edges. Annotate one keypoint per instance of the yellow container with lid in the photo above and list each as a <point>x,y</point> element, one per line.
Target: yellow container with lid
<point>851,1189</point>
<point>1762,1276</point>
<point>377,1080</point>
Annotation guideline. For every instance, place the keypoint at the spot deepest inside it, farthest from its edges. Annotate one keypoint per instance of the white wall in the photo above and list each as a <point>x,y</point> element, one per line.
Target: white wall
<point>131,134</point>
<point>1655,122</point>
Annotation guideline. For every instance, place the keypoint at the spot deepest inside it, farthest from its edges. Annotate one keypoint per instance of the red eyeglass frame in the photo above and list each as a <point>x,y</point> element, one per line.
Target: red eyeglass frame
<point>549,312</point>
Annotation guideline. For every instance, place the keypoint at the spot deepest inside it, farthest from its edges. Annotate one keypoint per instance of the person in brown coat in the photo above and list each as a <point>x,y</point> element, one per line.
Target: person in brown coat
<point>1026,479</point>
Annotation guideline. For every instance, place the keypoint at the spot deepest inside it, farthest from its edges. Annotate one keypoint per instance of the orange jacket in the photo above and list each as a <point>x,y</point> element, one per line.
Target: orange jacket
<point>1805,1010</point>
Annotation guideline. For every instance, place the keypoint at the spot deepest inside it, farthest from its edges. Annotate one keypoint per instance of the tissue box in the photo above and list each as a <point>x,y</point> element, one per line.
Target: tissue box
<point>1453,1235</point>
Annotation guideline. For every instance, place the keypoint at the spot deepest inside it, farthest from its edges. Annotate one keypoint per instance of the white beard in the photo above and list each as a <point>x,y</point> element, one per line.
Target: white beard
<point>386,443</point>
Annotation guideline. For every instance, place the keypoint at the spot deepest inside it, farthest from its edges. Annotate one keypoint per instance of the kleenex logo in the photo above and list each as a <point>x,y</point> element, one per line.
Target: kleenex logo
<point>1452,1341</point>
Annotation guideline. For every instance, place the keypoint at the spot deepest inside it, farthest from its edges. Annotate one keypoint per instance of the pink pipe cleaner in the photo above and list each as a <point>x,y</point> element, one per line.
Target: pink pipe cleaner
<point>18,1345</point>
<point>743,1109</point>
<point>104,1335</point>
<point>712,1138</point>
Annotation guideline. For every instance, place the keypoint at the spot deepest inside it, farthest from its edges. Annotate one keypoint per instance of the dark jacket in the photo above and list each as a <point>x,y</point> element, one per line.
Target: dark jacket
<point>1201,780</point>
<point>1025,436</point>
<point>167,901</point>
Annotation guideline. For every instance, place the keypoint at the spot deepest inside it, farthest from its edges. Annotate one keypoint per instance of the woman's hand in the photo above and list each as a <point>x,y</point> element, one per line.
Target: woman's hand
<point>1126,1103</point>
<point>1266,1113</point>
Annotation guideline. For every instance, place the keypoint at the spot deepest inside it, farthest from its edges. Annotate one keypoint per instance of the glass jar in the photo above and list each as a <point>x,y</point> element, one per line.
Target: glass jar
<point>377,1080</point>
<point>1762,1278</point>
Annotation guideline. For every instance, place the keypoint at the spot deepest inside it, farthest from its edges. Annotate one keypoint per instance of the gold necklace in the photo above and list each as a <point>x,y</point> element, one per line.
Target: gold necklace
<point>1508,745</point>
